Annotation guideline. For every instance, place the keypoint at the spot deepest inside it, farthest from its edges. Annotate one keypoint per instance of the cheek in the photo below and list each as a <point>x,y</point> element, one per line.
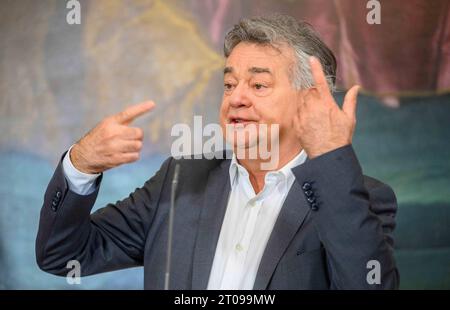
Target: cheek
<point>282,112</point>
<point>223,112</point>
<point>288,115</point>
<point>273,111</point>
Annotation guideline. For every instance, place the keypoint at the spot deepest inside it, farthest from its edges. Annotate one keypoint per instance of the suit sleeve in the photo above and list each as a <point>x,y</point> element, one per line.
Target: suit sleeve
<point>354,218</point>
<point>109,239</point>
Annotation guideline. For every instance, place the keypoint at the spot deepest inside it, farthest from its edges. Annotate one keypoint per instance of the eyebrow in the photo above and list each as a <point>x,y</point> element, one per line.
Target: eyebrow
<point>227,70</point>
<point>259,70</point>
<point>251,70</point>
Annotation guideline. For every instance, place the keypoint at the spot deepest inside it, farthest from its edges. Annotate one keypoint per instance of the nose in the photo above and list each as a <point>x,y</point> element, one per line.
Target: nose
<point>239,97</point>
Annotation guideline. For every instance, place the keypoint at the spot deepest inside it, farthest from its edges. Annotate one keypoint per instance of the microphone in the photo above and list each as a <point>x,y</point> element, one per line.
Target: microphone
<point>170,228</point>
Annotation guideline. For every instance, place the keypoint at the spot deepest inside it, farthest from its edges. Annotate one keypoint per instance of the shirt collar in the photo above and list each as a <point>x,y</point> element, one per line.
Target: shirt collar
<point>286,171</point>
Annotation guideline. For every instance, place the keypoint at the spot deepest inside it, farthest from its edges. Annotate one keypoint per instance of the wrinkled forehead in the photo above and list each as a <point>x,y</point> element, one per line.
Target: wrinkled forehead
<point>247,55</point>
<point>248,51</point>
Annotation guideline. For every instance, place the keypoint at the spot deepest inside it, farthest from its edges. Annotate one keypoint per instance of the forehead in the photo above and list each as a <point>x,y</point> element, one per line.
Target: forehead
<point>247,55</point>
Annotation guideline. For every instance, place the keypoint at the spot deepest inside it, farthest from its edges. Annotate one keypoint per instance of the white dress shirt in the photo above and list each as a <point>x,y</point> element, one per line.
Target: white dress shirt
<point>247,225</point>
<point>79,182</point>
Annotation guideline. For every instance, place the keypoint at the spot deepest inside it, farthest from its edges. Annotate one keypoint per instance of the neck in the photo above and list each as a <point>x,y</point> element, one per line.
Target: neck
<point>257,175</point>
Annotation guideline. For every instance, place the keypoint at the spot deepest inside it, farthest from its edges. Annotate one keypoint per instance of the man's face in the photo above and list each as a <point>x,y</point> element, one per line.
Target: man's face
<point>258,90</point>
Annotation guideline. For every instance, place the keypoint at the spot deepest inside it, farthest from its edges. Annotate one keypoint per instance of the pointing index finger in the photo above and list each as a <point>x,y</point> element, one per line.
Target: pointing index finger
<point>129,114</point>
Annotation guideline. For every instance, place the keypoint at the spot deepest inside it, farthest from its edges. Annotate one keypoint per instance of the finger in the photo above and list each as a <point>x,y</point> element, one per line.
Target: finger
<point>129,114</point>
<point>350,102</point>
<point>320,80</point>
<point>130,146</point>
<point>132,133</point>
<point>129,157</point>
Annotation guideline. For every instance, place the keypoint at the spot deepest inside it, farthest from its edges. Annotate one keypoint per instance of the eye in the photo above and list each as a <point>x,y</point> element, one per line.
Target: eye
<point>259,86</point>
<point>228,87</point>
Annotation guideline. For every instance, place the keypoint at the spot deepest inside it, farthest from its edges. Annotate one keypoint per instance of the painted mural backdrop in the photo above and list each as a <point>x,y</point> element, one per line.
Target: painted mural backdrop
<point>58,80</point>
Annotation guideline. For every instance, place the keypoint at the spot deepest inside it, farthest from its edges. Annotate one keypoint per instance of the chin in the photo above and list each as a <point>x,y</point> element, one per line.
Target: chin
<point>245,148</point>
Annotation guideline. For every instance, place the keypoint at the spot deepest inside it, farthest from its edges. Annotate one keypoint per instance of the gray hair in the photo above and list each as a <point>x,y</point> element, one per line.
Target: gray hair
<point>300,36</point>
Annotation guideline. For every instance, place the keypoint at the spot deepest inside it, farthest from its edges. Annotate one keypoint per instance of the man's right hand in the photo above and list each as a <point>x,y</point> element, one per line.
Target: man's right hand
<point>112,142</point>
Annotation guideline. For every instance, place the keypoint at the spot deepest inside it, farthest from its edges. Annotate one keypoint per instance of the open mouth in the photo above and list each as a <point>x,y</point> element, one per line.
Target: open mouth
<point>240,122</point>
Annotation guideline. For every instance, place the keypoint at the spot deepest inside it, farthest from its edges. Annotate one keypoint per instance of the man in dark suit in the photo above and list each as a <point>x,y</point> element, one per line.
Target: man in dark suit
<point>313,221</point>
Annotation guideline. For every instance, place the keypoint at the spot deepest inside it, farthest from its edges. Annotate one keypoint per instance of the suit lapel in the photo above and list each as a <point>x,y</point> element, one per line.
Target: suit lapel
<point>289,220</point>
<point>211,218</point>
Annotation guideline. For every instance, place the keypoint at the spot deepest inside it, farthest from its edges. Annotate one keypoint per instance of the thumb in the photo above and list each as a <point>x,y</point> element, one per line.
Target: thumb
<point>350,102</point>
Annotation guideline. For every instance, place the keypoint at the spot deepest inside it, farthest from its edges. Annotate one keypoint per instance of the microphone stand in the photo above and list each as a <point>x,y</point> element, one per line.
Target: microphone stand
<point>170,228</point>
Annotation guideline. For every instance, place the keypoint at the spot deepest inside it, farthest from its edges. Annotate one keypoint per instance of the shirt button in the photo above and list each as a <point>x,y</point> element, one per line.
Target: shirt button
<point>239,247</point>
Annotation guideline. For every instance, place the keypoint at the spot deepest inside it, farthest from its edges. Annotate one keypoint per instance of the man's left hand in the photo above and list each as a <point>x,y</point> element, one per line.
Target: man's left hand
<point>320,124</point>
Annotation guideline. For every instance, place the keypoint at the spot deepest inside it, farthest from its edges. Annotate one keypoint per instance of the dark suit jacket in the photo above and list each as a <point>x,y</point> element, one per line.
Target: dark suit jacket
<point>326,246</point>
